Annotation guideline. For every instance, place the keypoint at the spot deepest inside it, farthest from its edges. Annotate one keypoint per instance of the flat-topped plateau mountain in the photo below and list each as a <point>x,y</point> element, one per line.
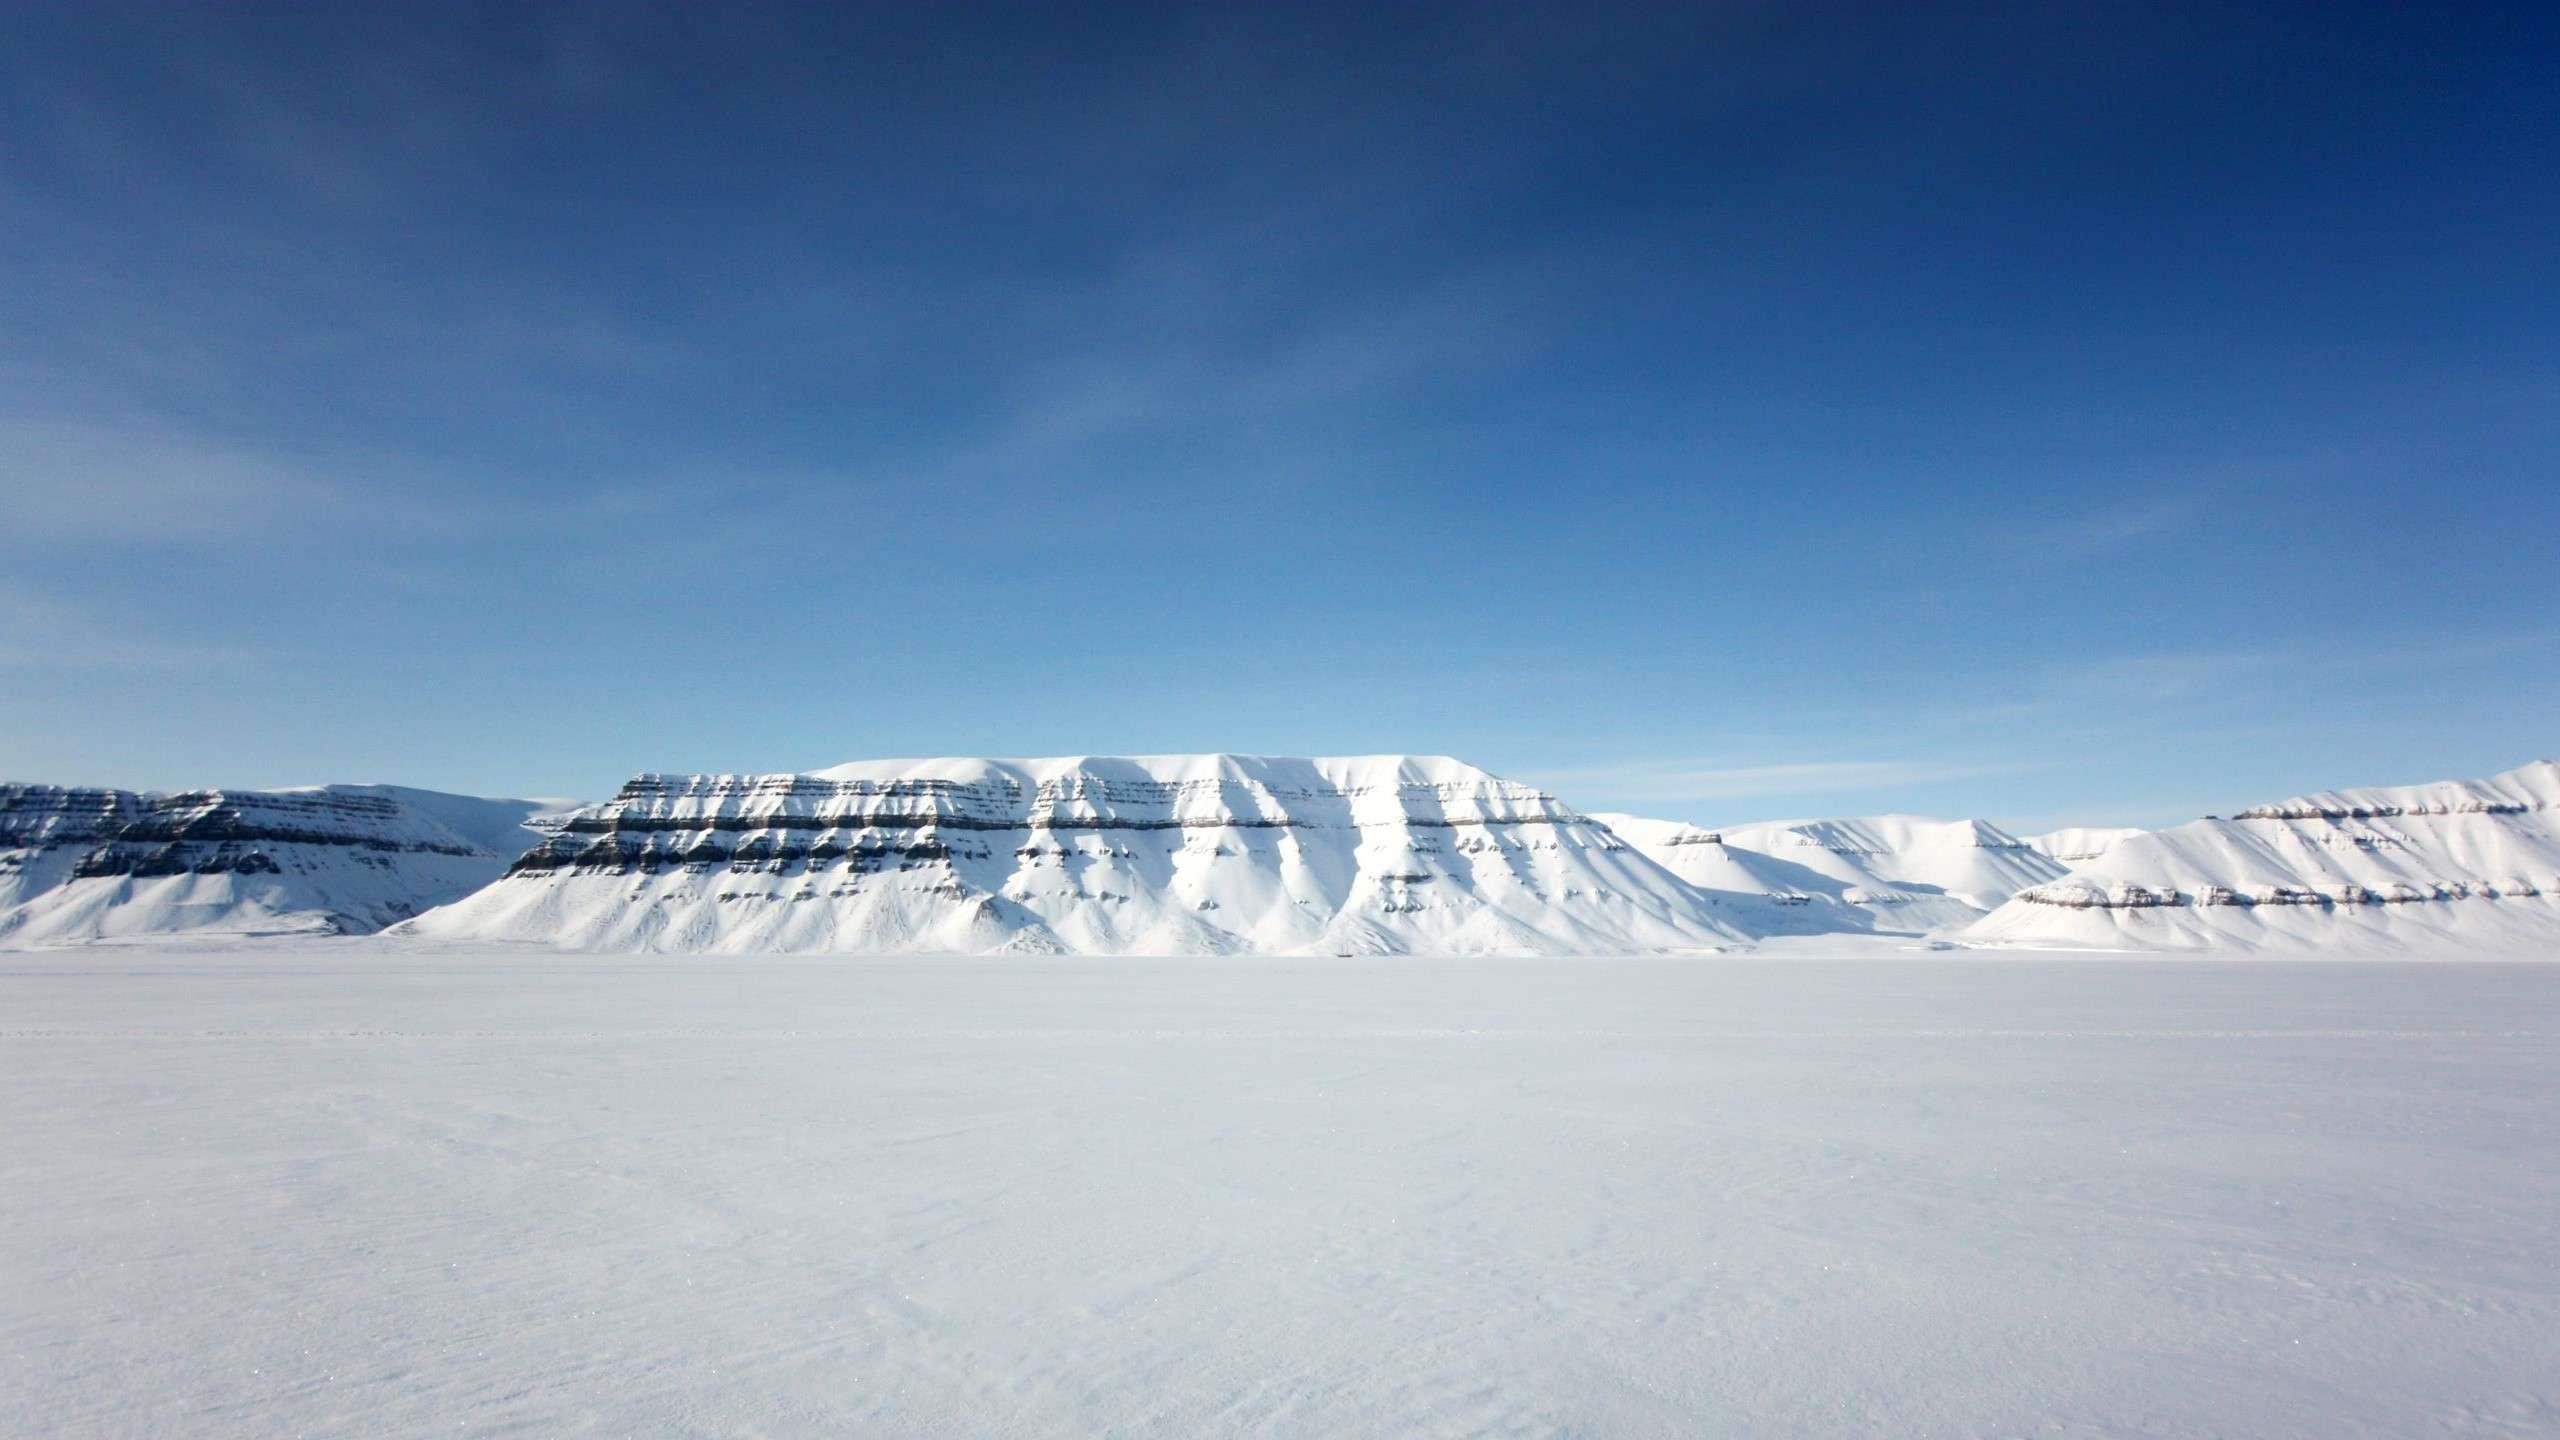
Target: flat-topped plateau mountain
<point>1163,854</point>
<point>1232,854</point>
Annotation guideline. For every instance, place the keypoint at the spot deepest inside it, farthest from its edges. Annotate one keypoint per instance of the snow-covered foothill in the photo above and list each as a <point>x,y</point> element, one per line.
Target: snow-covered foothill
<point>2465,862</point>
<point>1892,873</point>
<point>1164,854</point>
<point>1761,893</point>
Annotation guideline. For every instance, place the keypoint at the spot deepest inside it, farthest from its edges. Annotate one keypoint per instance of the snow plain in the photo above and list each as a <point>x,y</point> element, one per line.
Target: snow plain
<point>355,1188</point>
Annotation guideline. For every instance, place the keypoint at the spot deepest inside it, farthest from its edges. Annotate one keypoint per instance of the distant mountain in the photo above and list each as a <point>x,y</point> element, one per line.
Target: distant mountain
<point>1167,854</point>
<point>2082,843</point>
<point>1218,854</point>
<point>91,864</point>
<point>1758,893</point>
<point>1893,873</point>
<point>2469,861</point>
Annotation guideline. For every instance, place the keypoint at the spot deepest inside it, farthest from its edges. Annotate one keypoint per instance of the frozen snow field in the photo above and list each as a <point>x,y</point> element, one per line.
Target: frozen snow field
<point>349,1188</point>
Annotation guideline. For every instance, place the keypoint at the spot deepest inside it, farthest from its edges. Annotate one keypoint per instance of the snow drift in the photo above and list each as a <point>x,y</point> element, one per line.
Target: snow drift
<point>1168,854</point>
<point>92,864</point>
<point>2470,861</point>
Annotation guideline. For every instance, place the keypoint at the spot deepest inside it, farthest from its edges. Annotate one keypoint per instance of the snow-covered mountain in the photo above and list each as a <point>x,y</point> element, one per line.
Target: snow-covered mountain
<point>46,829</point>
<point>2474,861</point>
<point>1759,893</point>
<point>1226,853</point>
<point>92,864</point>
<point>2080,844</point>
<point>1165,854</point>
<point>1892,873</point>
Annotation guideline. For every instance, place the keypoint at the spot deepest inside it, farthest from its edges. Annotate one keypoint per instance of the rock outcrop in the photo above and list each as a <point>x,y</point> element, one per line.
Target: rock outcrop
<point>45,830</point>
<point>92,864</point>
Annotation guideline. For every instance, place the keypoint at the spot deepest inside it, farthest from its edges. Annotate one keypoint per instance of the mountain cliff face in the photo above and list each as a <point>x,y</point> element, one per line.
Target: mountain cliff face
<point>1154,854</point>
<point>2471,861</point>
<point>46,829</point>
<point>89,864</point>
<point>1887,873</point>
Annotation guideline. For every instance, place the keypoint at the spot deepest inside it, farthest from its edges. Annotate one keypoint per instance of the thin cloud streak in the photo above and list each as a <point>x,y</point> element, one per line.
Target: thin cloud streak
<point>85,481</point>
<point>43,632</point>
<point>1675,781</point>
<point>2108,684</point>
<point>2174,675</point>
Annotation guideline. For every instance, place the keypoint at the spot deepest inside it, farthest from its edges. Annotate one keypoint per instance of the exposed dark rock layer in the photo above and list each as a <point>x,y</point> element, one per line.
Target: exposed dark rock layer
<point>661,821</point>
<point>1208,854</point>
<point>79,863</point>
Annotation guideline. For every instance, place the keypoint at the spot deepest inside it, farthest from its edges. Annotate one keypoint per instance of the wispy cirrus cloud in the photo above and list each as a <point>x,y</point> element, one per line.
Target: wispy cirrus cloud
<point>126,483</point>
<point>2114,526</point>
<point>136,483</point>
<point>41,631</point>
<point>2117,508</point>
<point>2152,687</point>
<point>2184,674</point>
<point>1665,781</point>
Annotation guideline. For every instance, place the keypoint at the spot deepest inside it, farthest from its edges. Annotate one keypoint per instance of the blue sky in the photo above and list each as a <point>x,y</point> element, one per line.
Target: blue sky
<point>2058,413</point>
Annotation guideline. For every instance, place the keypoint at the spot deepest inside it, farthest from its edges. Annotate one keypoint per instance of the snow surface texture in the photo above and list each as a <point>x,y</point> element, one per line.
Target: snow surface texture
<point>2458,862</point>
<point>1891,873</point>
<point>80,865</point>
<point>1169,854</point>
<point>346,1188</point>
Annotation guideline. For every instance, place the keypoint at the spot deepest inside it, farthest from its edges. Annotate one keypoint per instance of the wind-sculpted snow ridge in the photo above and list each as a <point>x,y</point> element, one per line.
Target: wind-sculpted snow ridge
<point>2474,862</point>
<point>2079,844</point>
<point>1167,854</point>
<point>92,864</point>
<point>1888,873</point>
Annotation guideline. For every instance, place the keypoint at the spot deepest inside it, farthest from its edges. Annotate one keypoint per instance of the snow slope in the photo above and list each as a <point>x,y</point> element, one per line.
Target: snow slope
<point>1898,873</point>
<point>1761,893</point>
<point>2079,844</point>
<point>89,864</point>
<point>2473,862</point>
<point>1163,854</point>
